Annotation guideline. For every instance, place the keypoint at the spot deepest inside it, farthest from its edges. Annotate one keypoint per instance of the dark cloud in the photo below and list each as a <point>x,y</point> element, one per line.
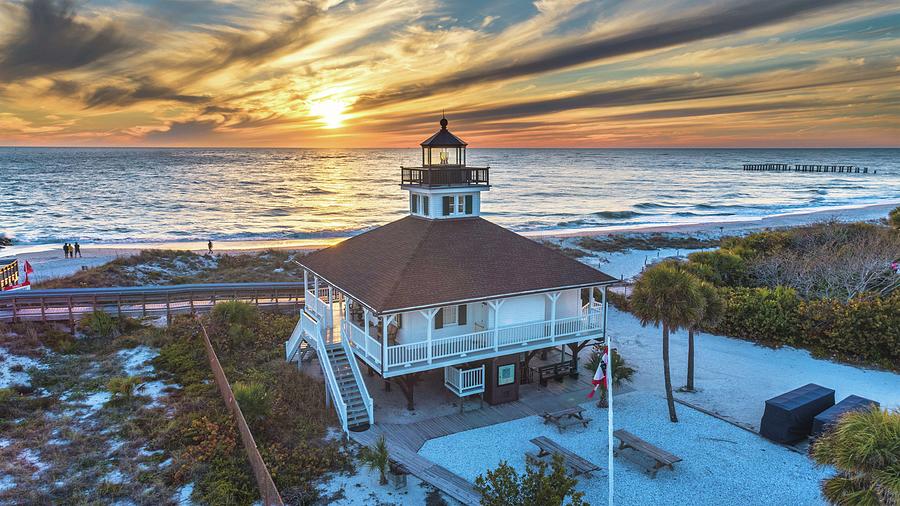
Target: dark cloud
<point>715,21</point>
<point>64,87</point>
<point>145,90</point>
<point>51,39</point>
<point>673,91</point>
<point>179,132</point>
<point>292,33</point>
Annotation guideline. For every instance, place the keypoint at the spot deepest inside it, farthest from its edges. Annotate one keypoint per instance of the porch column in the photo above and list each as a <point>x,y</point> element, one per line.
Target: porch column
<point>495,305</point>
<point>603,315</point>
<point>305,282</point>
<point>429,315</point>
<point>366,334</point>
<point>554,297</point>
<point>329,318</point>
<point>386,320</point>
<point>316,297</point>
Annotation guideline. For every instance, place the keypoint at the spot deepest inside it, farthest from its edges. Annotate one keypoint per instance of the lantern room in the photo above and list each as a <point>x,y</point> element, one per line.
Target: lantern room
<point>443,149</point>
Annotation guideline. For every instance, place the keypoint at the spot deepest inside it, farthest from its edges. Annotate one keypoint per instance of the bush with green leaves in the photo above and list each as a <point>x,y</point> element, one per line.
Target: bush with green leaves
<point>864,448</point>
<point>721,267</point>
<point>235,313</point>
<point>377,459</point>
<point>122,387</point>
<point>768,316</point>
<point>505,487</point>
<point>621,371</point>
<point>252,397</point>
<point>894,217</point>
<point>100,324</point>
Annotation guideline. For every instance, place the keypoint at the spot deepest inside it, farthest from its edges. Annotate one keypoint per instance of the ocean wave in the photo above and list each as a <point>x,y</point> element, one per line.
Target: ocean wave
<point>616,215</point>
<point>689,213</point>
<point>656,205</point>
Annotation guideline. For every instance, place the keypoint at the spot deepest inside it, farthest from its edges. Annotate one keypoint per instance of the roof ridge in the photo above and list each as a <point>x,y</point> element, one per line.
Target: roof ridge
<point>415,251</point>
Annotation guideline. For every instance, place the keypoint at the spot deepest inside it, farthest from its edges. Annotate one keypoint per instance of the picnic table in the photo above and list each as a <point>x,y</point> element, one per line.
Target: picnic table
<point>574,463</point>
<point>566,418</point>
<point>662,457</point>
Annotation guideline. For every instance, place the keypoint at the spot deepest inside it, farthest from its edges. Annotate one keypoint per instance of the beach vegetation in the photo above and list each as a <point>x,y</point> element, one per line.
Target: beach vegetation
<point>100,324</point>
<point>641,241</point>
<point>167,267</point>
<point>894,217</point>
<point>864,448</point>
<point>671,298</point>
<point>122,387</point>
<point>504,486</point>
<point>252,399</point>
<point>376,458</point>
<point>622,372</point>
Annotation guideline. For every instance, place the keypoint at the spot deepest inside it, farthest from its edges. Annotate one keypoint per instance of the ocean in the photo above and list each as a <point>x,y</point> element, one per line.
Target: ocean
<point>52,195</point>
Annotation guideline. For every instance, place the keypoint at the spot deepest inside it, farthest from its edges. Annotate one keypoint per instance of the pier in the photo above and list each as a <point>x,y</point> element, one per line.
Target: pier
<point>786,167</point>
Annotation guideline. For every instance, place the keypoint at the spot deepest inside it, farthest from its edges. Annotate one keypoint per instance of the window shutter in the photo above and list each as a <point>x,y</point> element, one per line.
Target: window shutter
<point>462,314</point>
<point>414,203</point>
<point>426,210</point>
<point>439,319</point>
<point>468,204</point>
<point>448,205</point>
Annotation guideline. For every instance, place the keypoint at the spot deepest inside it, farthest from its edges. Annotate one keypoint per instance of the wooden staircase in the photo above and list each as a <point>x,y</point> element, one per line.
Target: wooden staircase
<point>357,414</point>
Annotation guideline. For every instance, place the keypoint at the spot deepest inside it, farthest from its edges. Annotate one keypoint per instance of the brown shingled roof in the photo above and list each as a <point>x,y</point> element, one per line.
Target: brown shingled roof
<point>415,262</point>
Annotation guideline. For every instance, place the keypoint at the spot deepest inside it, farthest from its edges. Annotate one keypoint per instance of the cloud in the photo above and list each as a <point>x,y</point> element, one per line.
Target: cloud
<point>51,39</point>
<point>145,90</point>
<point>707,23</point>
<point>184,132</point>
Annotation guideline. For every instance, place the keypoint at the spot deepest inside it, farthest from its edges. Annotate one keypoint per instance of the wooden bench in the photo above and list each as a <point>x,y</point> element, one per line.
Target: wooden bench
<point>662,457</point>
<point>566,418</point>
<point>557,371</point>
<point>574,463</point>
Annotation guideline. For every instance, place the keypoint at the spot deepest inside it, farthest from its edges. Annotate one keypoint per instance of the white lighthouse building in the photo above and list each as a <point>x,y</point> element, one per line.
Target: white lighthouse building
<point>442,288</point>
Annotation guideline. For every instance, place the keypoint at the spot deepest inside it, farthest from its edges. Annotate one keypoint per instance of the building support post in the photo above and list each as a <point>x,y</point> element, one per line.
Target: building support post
<point>495,305</point>
<point>329,318</point>
<point>554,297</point>
<point>429,315</point>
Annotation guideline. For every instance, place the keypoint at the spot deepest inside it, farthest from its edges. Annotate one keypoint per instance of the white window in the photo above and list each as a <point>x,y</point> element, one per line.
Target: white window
<point>454,205</point>
<point>451,315</point>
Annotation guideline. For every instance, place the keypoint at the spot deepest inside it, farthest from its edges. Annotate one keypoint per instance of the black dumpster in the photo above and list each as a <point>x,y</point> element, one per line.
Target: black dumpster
<point>830,416</point>
<point>789,417</point>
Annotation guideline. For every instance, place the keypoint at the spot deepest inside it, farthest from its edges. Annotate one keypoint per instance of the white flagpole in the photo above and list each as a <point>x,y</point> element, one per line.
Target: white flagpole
<point>609,401</point>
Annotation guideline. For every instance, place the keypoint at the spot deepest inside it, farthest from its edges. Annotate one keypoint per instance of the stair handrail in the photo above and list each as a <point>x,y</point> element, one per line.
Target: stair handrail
<point>331,381</point>
<point>292,345</point>
<point>360,383</point>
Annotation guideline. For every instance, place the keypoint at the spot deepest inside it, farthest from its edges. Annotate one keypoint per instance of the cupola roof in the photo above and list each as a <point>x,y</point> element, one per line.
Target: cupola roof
<point>443,138</point>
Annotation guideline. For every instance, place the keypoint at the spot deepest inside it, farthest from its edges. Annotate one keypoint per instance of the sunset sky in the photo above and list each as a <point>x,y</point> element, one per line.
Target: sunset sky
<point>508,73</point>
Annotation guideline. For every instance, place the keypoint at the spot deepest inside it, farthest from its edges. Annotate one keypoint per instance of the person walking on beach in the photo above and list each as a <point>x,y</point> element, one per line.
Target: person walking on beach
<point>77,250</point>
<point>66,250</point>
<point>209,245</point>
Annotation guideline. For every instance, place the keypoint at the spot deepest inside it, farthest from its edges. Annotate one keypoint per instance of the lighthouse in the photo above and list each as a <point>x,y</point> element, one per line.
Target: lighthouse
<point>442,290</point>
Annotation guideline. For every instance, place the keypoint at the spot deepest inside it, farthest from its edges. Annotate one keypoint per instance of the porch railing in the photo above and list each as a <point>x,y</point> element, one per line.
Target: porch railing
<point>503,338</point>
<point>368,348</point>
<point>464,382</point>
<point>316,305</point>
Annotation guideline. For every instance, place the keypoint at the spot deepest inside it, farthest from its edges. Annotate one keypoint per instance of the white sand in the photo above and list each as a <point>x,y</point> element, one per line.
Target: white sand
<point>722,464</point>
<point>735,377</point>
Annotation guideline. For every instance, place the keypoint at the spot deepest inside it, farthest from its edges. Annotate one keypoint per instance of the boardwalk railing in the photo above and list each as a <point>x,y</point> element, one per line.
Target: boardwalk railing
<point>267,490</point>
<point>71,304</point>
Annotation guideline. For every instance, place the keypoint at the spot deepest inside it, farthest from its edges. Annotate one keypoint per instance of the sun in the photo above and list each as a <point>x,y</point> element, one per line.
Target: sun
<point>330,111</point>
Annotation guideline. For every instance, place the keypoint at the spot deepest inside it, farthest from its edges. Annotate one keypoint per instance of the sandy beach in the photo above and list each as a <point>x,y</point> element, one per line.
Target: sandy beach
<point>48,260</point>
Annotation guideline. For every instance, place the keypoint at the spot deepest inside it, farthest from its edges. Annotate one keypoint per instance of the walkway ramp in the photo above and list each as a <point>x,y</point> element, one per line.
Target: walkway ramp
<point>437,476</point>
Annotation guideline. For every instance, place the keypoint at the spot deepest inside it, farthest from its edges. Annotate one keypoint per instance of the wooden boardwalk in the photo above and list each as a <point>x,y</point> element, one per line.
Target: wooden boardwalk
<point>406,439</point>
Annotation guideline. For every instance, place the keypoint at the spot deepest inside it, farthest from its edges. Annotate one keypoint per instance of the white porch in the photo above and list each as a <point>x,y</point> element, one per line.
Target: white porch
<point>374,339</point>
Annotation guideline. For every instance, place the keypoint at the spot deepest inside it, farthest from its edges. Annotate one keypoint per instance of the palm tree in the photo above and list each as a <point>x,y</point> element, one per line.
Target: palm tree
<point>864,447</point>
<point>668,297</point>
<point>713,308</point>
<point>377,458</point>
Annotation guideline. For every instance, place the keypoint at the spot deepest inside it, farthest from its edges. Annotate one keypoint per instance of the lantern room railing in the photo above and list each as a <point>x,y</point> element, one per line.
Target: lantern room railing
<point>451,176</point>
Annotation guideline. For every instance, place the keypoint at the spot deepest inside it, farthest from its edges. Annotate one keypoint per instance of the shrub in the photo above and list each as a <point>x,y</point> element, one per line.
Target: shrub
<point>122,387</point>
<point>505,487</point>
<point>720,267</point>
<point>252,399</point>
<point>863,447</point>
<point>859,331</point>
<point>100,324</point>
<point>234,313</point>
<point>377,459</point>
<point>760,314</point>
<point>6,395</point>
<point>894,217</point>
<point>622,372</point>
